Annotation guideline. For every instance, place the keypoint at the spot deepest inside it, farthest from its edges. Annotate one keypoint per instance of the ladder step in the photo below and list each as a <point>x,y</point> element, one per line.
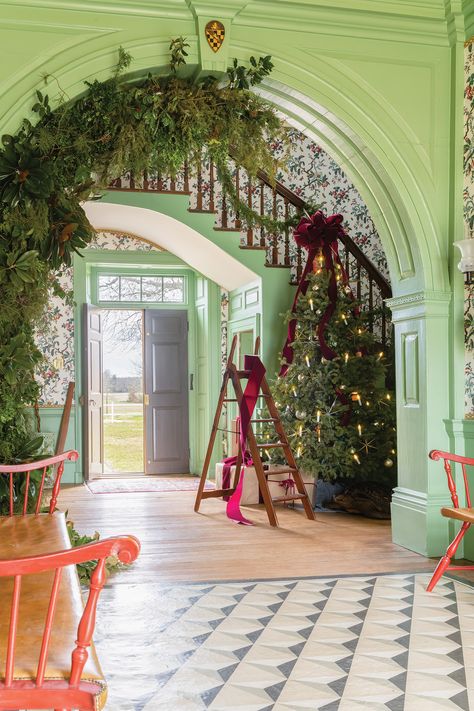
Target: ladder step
<point>283,470</point>
<point>295,497</point>
<point>272,445</point>
<point>266,419</point>
<point>230,399</point>
<point>212,493</point>
<point>244,373</point>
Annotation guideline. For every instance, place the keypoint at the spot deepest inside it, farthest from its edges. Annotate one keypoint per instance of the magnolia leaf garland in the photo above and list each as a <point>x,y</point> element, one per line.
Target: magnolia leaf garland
<point>73,151</point>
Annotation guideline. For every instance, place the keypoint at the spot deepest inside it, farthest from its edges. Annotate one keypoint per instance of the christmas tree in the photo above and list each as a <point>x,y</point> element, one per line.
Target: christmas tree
<point>332,392</point>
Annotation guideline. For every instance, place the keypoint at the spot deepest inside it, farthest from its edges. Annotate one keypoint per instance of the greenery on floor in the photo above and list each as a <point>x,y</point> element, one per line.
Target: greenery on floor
<point>76,148</point>
<point>85,570</point>
<point>123,443</point>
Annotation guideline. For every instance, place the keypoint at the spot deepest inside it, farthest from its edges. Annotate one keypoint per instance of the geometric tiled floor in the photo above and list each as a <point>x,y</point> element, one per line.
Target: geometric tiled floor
<point>333,644</point>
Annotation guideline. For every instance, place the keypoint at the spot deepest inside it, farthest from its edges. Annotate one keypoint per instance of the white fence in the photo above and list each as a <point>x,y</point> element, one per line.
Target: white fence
<point>120,411</point>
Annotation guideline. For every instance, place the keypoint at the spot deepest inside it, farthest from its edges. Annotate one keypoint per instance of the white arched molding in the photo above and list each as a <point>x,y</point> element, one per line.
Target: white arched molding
<point>173,236</point>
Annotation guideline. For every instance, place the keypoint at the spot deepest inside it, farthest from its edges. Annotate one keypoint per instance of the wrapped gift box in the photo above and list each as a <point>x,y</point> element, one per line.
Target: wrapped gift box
<point>250,489</point>
<point>250,493</point>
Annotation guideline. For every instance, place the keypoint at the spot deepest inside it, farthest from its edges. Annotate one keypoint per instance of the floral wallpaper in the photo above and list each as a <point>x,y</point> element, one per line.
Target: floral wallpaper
<point>469,217</point>
<point>313,175</point>
<point>55,335</point>
<point>55,339</point>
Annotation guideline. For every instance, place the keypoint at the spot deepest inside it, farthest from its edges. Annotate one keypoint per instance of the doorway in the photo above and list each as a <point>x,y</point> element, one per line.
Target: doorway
<point>136,371</point>
<point>123,412</point>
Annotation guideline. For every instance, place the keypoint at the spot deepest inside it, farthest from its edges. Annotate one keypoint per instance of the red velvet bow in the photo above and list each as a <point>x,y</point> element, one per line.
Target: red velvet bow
<point>316,234</point>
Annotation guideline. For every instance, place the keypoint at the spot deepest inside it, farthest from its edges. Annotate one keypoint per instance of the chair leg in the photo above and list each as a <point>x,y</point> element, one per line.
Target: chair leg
<point>446,559</point>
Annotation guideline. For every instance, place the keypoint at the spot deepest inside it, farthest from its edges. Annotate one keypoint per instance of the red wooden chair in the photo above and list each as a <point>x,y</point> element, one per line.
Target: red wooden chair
<point>466,515</point>
<point>45,665</point>
<point>43,465</point>
<point>64,675</point>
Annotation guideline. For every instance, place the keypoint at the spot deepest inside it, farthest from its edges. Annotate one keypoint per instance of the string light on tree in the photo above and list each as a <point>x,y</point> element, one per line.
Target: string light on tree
<point>343,421</point>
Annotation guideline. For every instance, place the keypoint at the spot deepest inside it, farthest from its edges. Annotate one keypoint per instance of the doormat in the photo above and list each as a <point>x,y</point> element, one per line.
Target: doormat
<point>358,643</point>
<point>135,486</point>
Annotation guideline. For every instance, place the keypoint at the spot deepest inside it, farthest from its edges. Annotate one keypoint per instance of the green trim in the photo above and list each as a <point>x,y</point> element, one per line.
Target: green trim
<point>84,269</point>
<point>98,271</point>
<point>50,422</point>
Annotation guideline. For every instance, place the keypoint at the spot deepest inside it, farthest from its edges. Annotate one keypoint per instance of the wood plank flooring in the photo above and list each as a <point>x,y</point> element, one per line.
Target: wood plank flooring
<point>180,545</point>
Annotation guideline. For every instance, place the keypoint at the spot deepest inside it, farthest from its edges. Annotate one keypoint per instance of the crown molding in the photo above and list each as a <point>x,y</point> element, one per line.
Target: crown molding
<point>434,22</point>
<point>169,9</point>
<point>216,8</point>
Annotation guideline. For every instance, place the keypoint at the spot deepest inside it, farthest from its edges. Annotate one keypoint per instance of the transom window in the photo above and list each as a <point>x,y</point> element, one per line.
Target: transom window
<point>161,289</point>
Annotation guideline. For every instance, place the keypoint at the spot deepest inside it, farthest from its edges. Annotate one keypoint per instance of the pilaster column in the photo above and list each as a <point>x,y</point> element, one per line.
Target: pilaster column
<point>422,355</point>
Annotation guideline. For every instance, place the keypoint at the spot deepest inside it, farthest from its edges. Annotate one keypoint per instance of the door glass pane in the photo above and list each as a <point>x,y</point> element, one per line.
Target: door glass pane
<point>173,289</point>
<point>152,288</point>
<point>130,289</point>
<point>109,288</point>
<point>123,391</point>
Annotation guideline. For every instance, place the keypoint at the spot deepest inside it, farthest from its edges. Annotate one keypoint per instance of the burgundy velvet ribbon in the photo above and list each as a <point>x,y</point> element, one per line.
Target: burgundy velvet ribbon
<point>316,234</point>
<point>253,364</point>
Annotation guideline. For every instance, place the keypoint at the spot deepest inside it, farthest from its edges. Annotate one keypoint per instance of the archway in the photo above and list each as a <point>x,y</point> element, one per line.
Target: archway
<point>175,237</point>
<point>378,150</point>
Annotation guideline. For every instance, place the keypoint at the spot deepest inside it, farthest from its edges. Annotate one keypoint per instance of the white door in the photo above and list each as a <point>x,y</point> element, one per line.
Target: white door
<point>93,401</point>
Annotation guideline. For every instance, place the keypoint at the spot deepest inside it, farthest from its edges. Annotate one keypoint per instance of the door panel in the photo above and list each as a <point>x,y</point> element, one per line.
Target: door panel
<point>93,378</point>
<point>165,376</point>
<point>166,387</point>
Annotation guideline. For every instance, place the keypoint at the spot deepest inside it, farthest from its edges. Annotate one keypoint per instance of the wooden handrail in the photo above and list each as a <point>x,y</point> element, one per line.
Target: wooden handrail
<point>283,191</point>
<point>349,244</point>
<point>228,221</point>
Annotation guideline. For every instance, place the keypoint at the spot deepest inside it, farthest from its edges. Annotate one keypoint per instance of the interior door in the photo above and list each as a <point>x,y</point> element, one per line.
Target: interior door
<point>166,392</point>
<point>93,401</point>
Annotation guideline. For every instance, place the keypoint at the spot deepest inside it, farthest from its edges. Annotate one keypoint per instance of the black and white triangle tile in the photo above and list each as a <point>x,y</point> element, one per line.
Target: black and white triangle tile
<point>374,643</point>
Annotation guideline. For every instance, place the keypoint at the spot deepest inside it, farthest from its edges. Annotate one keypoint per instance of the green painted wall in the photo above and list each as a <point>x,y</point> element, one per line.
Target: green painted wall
<point>380,89</point>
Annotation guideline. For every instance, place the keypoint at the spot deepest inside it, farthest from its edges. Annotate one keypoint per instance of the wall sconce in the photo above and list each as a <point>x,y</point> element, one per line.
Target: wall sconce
<point>466,247</point>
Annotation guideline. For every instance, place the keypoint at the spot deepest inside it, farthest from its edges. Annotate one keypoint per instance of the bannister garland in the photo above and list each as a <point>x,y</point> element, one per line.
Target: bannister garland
<point>319,236</point>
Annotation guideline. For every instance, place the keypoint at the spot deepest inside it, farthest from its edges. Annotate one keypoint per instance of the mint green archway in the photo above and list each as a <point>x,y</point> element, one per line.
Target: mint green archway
<point>380,88</point>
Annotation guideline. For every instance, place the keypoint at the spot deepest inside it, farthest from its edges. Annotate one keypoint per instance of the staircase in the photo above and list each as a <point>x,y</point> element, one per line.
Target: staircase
<point>206,196</point>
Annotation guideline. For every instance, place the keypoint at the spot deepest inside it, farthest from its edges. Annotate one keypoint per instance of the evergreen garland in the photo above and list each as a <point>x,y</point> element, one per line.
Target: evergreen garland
<point>76,149</point>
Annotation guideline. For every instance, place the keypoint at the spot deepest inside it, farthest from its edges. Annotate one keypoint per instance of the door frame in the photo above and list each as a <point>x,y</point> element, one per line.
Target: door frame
<point>138,263</point>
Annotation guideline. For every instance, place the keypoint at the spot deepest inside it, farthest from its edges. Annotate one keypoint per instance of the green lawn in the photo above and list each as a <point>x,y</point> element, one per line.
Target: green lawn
<point>123,444</point>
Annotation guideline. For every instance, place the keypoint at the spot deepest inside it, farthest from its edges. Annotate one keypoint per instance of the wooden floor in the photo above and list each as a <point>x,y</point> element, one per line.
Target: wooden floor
<point>180,545</point>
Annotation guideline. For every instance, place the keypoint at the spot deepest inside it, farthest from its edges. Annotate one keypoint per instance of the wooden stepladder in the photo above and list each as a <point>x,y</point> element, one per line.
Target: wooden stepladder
<point>235,376</point>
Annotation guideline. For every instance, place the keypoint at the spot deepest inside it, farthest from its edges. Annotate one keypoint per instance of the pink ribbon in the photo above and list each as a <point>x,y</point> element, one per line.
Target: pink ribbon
<point>289,485</point>
<point>228,463</point>
<point>316,234</point>
<point>253,364</point>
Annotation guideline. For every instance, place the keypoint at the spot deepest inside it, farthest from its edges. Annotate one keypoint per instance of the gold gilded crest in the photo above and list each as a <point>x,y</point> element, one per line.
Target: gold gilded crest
<point>215,33</point>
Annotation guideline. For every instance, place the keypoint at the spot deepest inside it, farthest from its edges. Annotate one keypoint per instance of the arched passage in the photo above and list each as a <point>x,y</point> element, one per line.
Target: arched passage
<point>393,171</point>
<point>181,240</point>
